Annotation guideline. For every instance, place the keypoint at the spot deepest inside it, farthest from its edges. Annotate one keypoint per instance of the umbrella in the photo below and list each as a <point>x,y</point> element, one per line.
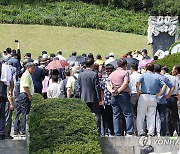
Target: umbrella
<point>79,59</point>
<point>143,63</point>
<point>130,61</point>
<point>114,63</point>
<point>56,64</point>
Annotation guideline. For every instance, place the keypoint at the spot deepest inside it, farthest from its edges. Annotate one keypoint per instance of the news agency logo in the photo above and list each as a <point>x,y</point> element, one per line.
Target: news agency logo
<point>144,140</point>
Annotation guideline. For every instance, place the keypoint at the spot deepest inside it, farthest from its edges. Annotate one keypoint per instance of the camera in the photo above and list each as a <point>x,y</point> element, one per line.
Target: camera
<point>16,41</point>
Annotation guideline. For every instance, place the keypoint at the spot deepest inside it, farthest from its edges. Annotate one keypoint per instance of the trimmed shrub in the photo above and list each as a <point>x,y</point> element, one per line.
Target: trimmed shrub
<point>170,60</point>
<point>62,126</point>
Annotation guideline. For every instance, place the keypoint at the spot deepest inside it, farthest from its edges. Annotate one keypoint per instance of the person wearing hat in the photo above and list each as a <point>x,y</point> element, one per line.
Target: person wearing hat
<point>110,59</point>
<point>37,77</point>
<point>144,54</point>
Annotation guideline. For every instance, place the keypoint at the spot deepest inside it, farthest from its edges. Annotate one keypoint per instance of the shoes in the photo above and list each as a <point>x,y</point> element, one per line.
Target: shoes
<point>22,133</point>
<point>129,135</point>
<point>8,137</point>
<point>142,135</point>
<point>2,137</point>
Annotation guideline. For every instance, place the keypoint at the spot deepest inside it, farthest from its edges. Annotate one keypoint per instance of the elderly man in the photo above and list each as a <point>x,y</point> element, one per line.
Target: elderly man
<point>120,101</point>
<point>25,98</point>
<point>70,86</point>
<point>151,87</point>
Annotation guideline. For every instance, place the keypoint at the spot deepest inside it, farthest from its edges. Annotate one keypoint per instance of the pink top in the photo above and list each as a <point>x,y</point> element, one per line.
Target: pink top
<point>45,83</point>
<point>118,77</point>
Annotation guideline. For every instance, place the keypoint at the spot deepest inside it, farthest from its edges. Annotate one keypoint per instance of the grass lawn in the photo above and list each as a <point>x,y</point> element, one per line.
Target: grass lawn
<point>36,38</point>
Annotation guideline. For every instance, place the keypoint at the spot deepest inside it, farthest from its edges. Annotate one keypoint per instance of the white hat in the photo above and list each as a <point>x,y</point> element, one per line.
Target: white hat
<point>44,56</point>
<point>111,54</point>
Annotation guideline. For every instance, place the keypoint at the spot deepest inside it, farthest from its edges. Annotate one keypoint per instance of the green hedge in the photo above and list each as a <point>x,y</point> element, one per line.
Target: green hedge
<point>77,14</point>
<point>170,61</point>
<point>62,126</point>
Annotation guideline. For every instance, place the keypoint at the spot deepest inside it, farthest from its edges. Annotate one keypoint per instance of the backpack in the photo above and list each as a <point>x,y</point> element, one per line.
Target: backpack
<point>63,89</point>
<point>77,93</point>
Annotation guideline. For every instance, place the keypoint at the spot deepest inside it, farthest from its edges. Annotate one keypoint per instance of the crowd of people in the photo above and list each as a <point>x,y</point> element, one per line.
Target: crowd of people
<point>125,99</point>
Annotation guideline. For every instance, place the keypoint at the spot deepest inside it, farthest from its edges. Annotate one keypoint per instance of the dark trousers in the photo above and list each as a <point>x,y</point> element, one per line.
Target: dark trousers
<point>95,109</point>
<point>162,109</point>
<point>8,117</point>
<point>107,119</point>
<point>2,115</point>
<point>22,106</point>
<point>121,105</point>
<point>134,101</point>
<point>173,116</point>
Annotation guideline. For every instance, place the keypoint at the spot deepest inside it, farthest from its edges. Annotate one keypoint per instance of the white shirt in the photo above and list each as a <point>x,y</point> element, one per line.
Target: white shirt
<point>60,57</point>
<point>175,82</point>
<point>134,77</point>
<point>6,74</point>
<point>111,59</point>
<point>54,90</point>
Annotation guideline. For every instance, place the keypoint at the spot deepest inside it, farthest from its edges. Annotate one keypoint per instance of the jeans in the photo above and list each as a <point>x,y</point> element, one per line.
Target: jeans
<point>146,107</point>
<point>2,115</point>
<point>22,106</point>
<point>95,109</point>
<point>162,109</point>
<point>121,105</point>
<point>8,116</point>
<point>134,102</point>
<point>173,117</point>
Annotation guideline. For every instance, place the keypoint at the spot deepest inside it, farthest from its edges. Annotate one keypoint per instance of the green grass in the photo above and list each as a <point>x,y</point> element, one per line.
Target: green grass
<point>35,38</point>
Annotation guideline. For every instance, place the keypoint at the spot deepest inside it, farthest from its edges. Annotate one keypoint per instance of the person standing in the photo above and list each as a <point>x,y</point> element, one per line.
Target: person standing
<point>147,103</point>
<point>37,77</point>
<point>172,106</point>
<point>5,79</point>
<point>161,101</point>
<point>108,113</point>
<point>25,98</point>
<point>145,55</point>
<point>120,101</point>
<point>59,55</point>
<point>134,77</point>
<point>90,90</point>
